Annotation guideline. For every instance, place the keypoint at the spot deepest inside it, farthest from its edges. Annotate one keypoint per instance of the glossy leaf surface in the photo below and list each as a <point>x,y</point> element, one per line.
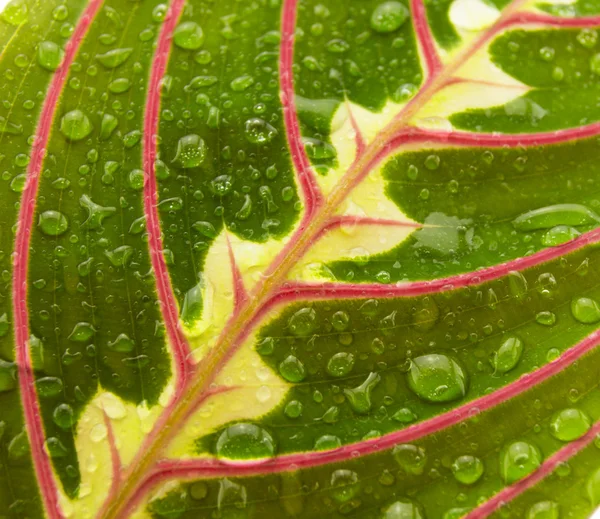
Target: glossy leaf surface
<point>299,258</point>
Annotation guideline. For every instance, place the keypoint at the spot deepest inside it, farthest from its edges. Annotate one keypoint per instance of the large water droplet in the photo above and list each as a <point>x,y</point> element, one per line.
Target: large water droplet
<point>114,58</point>
<point>53,223</point>
<point>519,459</point>
<point>553,215</point>
<point>569,424</point>
<point>411,458</point>
<point>508,355</point>
<point>49,386</point>
<point>292,369</point>
<point>75,125</point>
<point>303,322</point>
<point>344,485</point>
<point>15,13</point>
<point>245,440</point>
<point>467,469</point>
<point>64,416</point>
<point>191,151</point>
<point>189,36</point>
<point>389,17</point>
<point>340,364</point>
<point>437,378</point>
<point>585,310</point>
<point>49,55</point>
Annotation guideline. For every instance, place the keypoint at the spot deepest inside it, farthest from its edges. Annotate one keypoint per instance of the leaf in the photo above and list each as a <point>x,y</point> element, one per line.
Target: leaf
<point>299,258</point>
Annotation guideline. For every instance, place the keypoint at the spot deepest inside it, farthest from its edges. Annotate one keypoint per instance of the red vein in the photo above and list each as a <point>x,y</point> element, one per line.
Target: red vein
<point>308,182</point>
<point>294,291</point>
<point>31,407</point>
<point>346,220</point>
<point>424,37</point>
<point>358,136</point>
<point>546,468</point>
<point>209,467</point>
<point>168,304</point>
<point>240,295</point>
<point>555,21</point>
<point>115,458</point>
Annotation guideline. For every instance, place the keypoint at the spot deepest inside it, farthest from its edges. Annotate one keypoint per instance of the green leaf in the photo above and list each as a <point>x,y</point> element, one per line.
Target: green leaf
<point>300,258</point>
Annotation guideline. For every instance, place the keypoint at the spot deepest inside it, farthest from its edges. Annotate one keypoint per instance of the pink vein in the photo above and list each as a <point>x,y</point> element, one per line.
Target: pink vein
<point>513,491</point>
<point>308,183</point>
<point>31,408</point>
<point>210,467</point>
<point>340,221</point>
<point>240,295</point>
<point>115,458</point>
<point>425,38</point>
<point>168,305</point>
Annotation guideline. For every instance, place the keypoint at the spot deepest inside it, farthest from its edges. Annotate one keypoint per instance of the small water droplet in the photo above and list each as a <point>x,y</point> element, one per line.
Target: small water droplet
<point>244,441</point>
<point>437,378</point>
<point>389,17</point>
<point>75,125</point>
<point>519,459</point>
<point>569,424</point>
<point>188,36</point>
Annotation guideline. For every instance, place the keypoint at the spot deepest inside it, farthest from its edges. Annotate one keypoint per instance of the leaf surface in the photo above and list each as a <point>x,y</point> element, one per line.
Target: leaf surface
<point>300,258</point>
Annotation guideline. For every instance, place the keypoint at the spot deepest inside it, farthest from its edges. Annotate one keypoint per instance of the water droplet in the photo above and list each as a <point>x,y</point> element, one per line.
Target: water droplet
<point>18,447</point>
<point>64,416</point>
<point>259,131</point>
<point>327,442</point>
<point>411,458</point>
<point>467,469</point>
<point>317,149</point>
<point>108,126</point>
<point>189,36</point>
<point>360,397</point>
<point>75,125</point>
<point>340,364</point>
<point>53,223</point>
<point>241,83</point>
<point>96,214</point>
<point>82,332</point>
<point>389,17</point>
<point>55,448</point>
<point>293,409</point>
<point>245,440</point>
<point>508,355</point>
<point>8,375</point>
<point>49,55</point>
<point>543,510</point>
<point>191,151</point>
<point>595,64</point>
<point>403,509</point>
<point>191,309</point>
<point>114,58</point>
<point>585,310</point>
<point>132,138</point>
<point>221,185</point>
<point>545,318</point>
<point>120,256</point>
<point>49,386</point>
<point>292,369</point>
<point>119,85</point>
<point>519,459</point>
<point>122,344</point>
<point>437,378</point>
<point>569,424</point>
<point>303,322</point>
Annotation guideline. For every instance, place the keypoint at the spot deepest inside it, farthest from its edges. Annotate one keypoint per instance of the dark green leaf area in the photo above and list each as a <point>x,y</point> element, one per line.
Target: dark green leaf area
<point>94,317</point>
<point>578,8</point>
<point>350,52</point>
<point>442,475</point>
<point>22,90</point>
<point>224,161</point>
<point>561,65</point>
<point>367,367</point>
<point>481,207</point>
